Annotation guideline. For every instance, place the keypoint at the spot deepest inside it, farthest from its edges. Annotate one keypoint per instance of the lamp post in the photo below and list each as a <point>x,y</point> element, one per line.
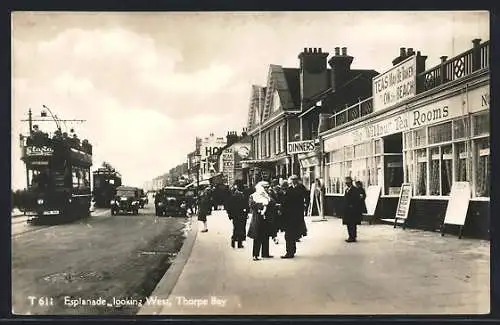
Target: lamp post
<point>196,160</point>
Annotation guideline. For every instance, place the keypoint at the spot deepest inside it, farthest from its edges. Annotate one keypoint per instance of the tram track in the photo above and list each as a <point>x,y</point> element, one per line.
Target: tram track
<point>20,225</point>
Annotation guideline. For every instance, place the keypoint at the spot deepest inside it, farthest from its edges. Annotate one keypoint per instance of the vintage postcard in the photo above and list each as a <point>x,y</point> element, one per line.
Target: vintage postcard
<point>251,163</point>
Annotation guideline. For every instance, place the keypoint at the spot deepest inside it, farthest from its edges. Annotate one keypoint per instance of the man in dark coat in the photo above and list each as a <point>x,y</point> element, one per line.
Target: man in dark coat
<point>294,216</point>
<point>237,210</point>
<point>352,211</point>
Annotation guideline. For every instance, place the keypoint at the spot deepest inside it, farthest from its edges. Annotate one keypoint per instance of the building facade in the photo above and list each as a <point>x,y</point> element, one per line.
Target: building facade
<point>428,128</point>
<point>272,123</point>
<point>343,87</point>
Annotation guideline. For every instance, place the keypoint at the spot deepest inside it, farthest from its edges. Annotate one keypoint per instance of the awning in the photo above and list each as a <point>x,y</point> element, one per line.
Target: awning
<point>248,163</point>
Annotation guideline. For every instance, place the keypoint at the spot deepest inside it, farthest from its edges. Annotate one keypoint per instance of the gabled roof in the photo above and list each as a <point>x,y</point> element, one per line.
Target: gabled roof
<point>254,105</point>
<point>278,81</point>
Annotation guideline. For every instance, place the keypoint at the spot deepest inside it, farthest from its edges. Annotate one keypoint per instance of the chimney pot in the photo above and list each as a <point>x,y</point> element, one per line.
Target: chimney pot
<point>337,51</point>
<point>402,52</point>
<point>409,51</point>
<point>305,49</point>
<point>320,50</point>
<point>476,42</point>
<point>310,50</point>
<point>443,58</point>
<point>344,51</point>
<point>315,50</point>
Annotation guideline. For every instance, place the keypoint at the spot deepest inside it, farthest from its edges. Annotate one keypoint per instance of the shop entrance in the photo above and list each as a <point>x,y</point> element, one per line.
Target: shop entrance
<point>393,163</point>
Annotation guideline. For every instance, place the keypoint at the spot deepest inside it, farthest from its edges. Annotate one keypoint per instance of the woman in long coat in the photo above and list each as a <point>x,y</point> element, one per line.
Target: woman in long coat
<point>237,207</point>
<point>261,205</point>
<point>204,208</point>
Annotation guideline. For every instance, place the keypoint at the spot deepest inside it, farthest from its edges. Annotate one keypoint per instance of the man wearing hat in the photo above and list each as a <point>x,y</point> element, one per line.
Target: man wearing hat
<point>294,216</point>
<point>352,213</point>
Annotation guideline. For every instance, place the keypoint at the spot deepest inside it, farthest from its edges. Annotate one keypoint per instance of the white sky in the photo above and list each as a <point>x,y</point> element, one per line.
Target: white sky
<point>148,83</point>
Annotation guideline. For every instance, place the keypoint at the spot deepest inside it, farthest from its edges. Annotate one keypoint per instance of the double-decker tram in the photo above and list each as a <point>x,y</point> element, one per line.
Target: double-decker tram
<point>58,176</point>
<point>106,180</point>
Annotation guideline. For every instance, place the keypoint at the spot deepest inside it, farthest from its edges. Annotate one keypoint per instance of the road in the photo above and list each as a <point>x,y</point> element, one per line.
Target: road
<point>102,258</point>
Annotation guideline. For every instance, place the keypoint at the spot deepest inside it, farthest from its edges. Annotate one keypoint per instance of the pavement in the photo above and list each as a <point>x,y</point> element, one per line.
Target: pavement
<point>388,271</point>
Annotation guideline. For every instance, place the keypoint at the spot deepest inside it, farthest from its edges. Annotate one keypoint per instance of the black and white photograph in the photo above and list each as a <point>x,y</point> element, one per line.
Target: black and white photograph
<point>250,163</point>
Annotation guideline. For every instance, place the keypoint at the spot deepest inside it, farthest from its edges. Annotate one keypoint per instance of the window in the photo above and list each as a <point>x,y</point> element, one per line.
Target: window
<point>434,171</point>
<point>460,127</point>
<point>483,167</point>
<point>283,138</point>
<point>440,133</point>
<point>462,162</point>
<point>75,175</point>
<point>421,172</point>
<point>446,169</point>
<point>420,137</point>
<point>481,124</point>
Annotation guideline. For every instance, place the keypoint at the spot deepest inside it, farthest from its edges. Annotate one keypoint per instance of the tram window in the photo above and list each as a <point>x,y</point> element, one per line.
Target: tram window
<point>75,175</point>
<point>83,179</point>
<point>38,178</point>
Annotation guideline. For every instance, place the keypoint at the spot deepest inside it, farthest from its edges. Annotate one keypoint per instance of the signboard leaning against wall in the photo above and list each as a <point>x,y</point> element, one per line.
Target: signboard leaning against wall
<point>395,85</point>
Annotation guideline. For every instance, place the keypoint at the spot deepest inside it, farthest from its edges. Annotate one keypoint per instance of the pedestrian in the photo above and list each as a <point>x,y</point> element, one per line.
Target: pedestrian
<point>204,208</point>
<point>260,204</point>
<point>351,216</point>
<point>293,209</point>
<point>237,210</point>
<point>319,197</point>
<point>362,194</point>
<point>274,212</point>
<point>300,187</point>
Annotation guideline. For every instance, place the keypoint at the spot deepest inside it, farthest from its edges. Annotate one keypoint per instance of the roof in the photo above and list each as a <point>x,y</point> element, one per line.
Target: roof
<point>292,76</point>
<point>174,188</point>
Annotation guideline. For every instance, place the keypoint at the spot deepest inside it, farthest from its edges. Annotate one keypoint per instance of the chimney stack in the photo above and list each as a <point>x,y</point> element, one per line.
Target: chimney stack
<point>341,67</point>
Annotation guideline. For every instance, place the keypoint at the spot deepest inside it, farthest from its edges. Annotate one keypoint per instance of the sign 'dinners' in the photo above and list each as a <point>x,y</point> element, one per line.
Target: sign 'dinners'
<point>301,146</point>
<point>395,85</point>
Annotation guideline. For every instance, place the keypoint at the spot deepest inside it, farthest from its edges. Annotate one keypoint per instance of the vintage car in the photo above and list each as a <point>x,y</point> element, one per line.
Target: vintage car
<point>127,199</point>
<point>171,201</point>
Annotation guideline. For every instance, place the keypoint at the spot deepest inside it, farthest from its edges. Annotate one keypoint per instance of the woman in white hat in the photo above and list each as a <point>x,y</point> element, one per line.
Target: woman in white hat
<point>260,203</point>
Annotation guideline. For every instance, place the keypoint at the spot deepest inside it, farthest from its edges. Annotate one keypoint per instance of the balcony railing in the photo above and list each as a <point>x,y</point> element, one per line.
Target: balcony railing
<point>455,68</point>
<point>351,113</point>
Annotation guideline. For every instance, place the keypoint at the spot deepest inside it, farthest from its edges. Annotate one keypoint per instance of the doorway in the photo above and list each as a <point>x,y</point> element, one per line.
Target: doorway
<point>393,163</point>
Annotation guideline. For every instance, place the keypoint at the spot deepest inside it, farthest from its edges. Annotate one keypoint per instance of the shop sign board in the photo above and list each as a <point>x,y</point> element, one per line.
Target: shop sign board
<point>404,201</point>
<point>396,85</point>
<point>371,200</point>
<point>458,204</point>
<point>436,112</point>
<point>301,146</point>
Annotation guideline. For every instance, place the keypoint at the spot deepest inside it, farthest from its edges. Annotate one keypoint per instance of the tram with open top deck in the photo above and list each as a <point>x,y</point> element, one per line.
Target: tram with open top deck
<point>57,175</point>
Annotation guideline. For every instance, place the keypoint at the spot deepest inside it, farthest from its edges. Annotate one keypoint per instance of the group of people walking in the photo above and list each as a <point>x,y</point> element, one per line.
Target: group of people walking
<point>276,208</point>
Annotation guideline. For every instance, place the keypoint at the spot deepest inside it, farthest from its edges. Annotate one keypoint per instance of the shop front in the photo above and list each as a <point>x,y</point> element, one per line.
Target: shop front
<point>265,169</point>
<point>429,141</point>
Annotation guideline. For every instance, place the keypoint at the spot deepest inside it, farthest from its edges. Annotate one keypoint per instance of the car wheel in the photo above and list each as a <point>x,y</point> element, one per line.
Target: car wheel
<point>113,212</point>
